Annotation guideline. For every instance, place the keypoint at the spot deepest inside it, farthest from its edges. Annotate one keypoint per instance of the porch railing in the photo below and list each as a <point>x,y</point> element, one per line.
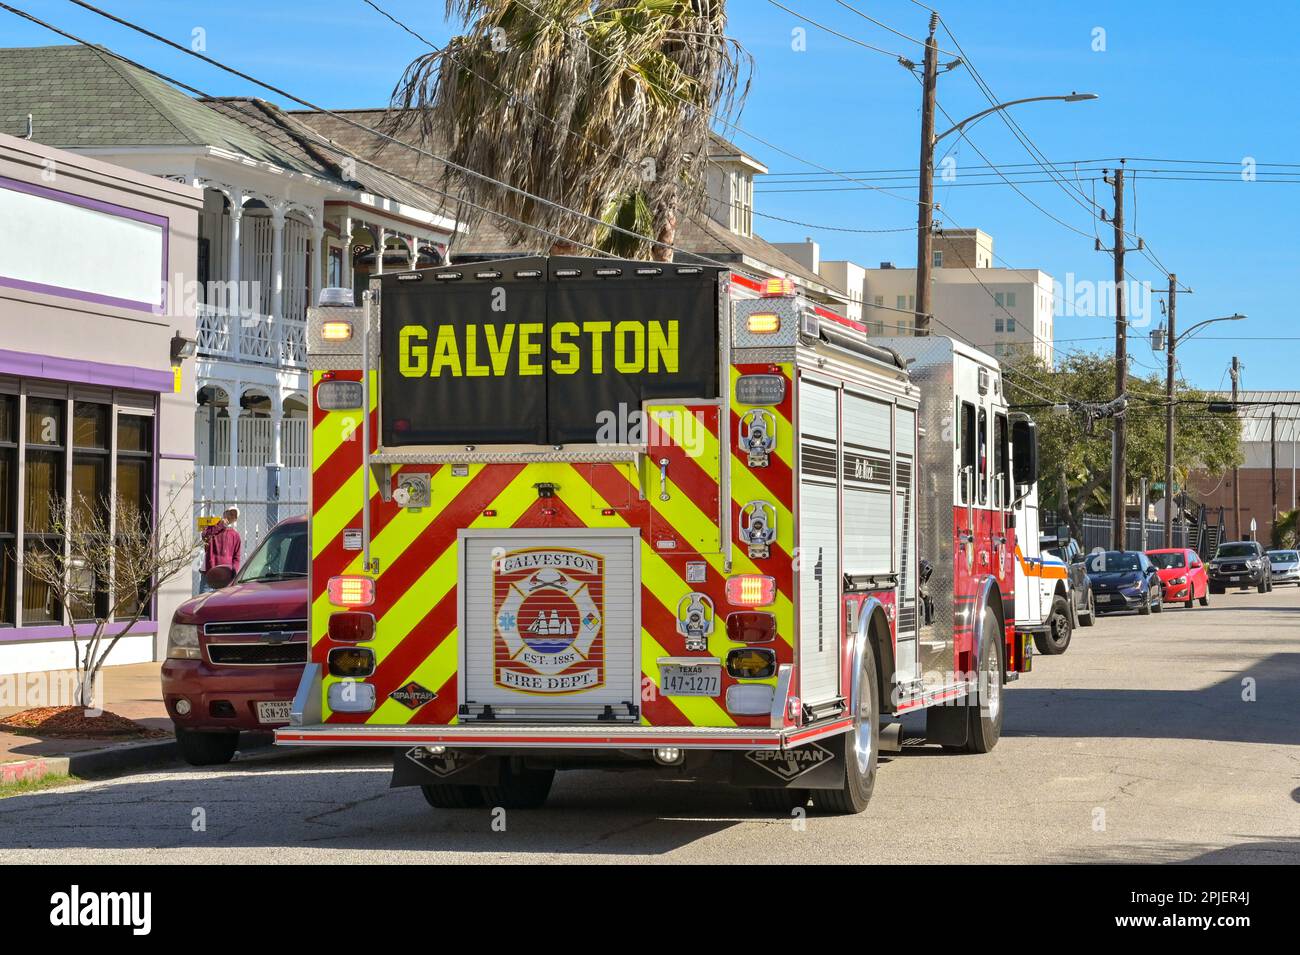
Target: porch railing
<point>251,337</point>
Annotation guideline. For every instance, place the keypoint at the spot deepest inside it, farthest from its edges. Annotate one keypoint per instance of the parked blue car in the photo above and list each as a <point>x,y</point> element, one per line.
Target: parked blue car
<point>1125,580</point>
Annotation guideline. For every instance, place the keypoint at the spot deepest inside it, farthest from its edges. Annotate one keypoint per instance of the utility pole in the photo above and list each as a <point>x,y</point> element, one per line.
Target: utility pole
<point>1119,439</point>
<point>1169,411</point>
<point>1272,448</point>
<point>1236,482</point>
<point>925,198</point>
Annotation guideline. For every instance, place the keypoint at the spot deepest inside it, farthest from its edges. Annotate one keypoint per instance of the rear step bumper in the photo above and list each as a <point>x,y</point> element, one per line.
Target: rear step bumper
<point>561,737</point>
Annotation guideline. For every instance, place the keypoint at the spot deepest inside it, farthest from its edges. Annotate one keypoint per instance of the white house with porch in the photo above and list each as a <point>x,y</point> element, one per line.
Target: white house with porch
<point>286,211</point>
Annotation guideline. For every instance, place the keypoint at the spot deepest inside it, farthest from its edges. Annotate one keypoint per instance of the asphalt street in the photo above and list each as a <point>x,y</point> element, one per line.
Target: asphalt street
<point>1173,738</point>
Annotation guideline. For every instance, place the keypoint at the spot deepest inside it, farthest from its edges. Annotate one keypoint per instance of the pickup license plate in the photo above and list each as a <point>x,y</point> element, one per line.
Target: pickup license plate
<point>704,679</point>
<point>1234,579</point>
<point>275,712</point>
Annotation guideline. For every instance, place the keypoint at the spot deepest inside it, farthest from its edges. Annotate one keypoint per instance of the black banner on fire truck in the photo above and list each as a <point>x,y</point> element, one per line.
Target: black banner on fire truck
<point>540,351</point>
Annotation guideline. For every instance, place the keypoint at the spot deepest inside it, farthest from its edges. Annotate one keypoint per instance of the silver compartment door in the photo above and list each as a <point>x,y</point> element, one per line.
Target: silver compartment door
<point>527,600</point>
<point>819,543</point>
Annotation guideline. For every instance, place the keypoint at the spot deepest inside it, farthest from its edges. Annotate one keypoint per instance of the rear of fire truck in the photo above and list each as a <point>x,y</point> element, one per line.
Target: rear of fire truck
<point>585,513</point>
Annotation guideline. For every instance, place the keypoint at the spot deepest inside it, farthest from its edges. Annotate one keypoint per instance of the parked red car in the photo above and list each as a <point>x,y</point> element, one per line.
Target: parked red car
<point>1182,575</point>
<point>236,653</point>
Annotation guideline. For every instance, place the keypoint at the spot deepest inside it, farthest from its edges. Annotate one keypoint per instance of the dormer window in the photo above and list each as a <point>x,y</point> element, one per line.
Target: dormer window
<point>742,202</point>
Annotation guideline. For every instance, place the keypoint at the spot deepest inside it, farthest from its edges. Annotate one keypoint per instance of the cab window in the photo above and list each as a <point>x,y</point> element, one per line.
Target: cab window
<point>968,462</point>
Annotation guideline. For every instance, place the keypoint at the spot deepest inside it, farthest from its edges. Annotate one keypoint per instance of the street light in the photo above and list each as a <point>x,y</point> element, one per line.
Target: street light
<point>925,200</point>
<point>1174,341</point>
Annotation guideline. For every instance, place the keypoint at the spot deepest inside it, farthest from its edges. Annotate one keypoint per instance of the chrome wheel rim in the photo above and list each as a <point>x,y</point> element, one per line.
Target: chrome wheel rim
<point>862,735</point>
<point>993,685</point>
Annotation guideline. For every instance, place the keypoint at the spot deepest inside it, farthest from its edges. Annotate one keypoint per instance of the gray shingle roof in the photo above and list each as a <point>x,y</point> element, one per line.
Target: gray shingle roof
<point>82,97</point>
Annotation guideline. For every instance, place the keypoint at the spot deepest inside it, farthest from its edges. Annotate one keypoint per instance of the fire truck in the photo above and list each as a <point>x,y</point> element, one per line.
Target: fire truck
<point>592,513</point>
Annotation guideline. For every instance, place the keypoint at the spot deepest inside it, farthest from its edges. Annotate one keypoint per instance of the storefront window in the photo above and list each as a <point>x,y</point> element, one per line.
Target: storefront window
<point>90,491</point>
<point>79,456</point>
<point>8,505</point>
<point>43,488</point>
<point>135,471</point>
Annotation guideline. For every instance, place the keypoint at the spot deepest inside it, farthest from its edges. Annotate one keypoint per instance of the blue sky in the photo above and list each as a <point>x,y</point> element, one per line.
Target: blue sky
<point>1177,81</point>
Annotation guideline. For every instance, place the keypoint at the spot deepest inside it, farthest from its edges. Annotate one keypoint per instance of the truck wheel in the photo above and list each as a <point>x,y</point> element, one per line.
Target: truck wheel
<point>1088,615</point>
<point>1262,587</point>
<point>777,800</point>
<point>206,749</point>
<point>984,706</point>
<point>1216,588</point>
<point>448,796</point>
<point>519,788</point>
<point>1056,639</point>
<point>861,747</point>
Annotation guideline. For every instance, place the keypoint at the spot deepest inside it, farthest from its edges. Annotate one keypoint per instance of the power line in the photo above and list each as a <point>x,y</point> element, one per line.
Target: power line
<point>842,36</point>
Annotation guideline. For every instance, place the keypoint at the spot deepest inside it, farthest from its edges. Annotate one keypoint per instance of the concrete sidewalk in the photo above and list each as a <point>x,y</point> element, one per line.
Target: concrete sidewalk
<point>133,691</point>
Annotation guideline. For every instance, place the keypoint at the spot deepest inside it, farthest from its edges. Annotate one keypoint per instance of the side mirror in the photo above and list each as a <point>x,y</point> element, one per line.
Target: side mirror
<point>1024,452</point>
<point>219,576</point>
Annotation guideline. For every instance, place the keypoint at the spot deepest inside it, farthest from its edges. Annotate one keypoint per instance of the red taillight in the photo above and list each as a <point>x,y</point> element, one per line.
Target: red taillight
<point>351,591</point>
<point>751,590</point>
<point>751,626</point>
<point>351,626</point>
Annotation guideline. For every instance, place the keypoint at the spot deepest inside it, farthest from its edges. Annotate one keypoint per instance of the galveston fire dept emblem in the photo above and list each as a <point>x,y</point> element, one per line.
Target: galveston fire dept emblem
<point>550,621</point>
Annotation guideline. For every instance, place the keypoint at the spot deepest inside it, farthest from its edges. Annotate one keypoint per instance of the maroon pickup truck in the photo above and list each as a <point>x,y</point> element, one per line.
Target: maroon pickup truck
<point>235,654</point>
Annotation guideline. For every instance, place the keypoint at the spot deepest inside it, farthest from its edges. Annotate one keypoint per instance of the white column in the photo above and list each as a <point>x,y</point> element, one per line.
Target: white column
<point>233,410</point>
<point>415,251</point>
<point>234,299</point>
<point>277,427</point>
<point>316,276</point>
<point>348,279</point>
<point>381,236</point>
<point>277,263</point>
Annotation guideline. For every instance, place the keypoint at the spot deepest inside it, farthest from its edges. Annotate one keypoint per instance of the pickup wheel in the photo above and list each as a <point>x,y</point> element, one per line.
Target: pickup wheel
<point>1088,615</point>
<point>519,788</point>
<point>1262,587</point>
<point>1216,588</point>
<point>861,746</point>
<point>206,749</point>
<point>1056,639</point>
<point>448,796</point>
<point>984,706</point>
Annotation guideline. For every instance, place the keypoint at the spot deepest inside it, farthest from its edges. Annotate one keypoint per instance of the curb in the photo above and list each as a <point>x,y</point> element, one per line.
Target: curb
<point>109,761</point>
<point>123,758</point>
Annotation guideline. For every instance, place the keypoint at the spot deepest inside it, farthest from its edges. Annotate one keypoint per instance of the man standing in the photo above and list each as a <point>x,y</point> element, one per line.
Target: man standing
<point>222,543</point>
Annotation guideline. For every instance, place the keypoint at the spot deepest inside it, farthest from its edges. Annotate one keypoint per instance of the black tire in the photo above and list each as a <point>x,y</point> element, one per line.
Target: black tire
<point>1088,616</point>
<point>1190,602</point>
<point>984,707</point>
<point>519,788</point>
<point>1262,587</point>
<point>777,800</point>
<point>1159,603</point>
<point>1145,609</point>
<point>861,747</point>
<point>1205,600</point>
<point>448,796</point>
<point>1216,589</point>
<point>1056,639</point>
<point>207,749</point>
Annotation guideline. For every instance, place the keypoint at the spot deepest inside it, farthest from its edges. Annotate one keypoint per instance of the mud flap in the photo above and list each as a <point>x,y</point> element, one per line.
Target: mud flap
<point>818,765</point>
<point>418,767</point>
<point>947,725</point>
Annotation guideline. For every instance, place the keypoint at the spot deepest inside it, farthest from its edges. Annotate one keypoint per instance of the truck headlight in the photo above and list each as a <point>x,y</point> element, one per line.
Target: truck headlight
<point>183,642</point>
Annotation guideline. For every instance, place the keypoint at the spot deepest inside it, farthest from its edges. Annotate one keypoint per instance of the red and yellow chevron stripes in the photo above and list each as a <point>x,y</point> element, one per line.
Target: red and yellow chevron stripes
<point>416,606</point>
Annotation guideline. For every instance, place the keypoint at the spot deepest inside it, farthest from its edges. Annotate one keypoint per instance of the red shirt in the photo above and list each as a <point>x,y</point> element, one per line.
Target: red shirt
<point>221,545</point>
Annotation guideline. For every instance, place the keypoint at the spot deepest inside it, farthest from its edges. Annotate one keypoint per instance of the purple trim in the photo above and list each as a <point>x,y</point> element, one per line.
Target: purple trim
<point>59,631</point>
<point>84,372</point>
<point>124,212</point>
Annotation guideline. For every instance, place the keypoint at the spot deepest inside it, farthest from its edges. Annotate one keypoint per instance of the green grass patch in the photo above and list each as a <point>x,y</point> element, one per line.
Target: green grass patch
<point>22,787</point>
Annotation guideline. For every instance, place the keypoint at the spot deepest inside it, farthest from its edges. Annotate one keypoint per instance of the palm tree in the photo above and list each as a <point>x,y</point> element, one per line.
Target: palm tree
<point>599,106</point>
